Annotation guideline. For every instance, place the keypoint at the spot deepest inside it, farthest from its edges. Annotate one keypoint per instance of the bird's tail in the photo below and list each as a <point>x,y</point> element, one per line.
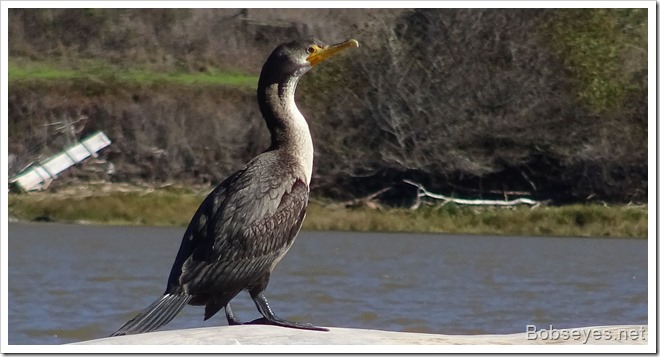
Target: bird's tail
<point>156,315</point>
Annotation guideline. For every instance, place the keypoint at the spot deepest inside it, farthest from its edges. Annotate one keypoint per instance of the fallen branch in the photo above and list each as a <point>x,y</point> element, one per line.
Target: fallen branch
<point>367,201</point>
<point>422,192</point>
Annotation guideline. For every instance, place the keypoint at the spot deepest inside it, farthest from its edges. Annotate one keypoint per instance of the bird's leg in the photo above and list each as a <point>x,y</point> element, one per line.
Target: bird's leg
<point>270,318</point>
<point>231,318</point>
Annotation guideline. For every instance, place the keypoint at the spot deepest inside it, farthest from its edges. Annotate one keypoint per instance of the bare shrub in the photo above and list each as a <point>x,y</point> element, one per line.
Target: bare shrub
<point>471,102</point>
<point>467,102</point>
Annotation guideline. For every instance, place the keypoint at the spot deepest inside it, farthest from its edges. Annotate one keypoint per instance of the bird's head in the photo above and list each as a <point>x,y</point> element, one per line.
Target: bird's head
<point>297,57</point>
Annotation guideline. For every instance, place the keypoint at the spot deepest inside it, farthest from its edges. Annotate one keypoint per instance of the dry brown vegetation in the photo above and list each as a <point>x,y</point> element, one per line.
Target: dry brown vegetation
<point>549,104</point>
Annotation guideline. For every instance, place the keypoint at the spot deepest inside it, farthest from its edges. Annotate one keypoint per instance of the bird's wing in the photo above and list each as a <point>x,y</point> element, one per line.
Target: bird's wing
<point>243,227</point>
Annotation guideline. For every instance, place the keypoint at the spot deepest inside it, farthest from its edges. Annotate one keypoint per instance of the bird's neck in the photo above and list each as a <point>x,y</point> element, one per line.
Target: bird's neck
<point>288,128</point>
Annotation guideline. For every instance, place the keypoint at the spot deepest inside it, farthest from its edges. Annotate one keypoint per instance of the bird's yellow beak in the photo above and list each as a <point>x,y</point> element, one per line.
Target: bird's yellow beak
<point>318,54</point>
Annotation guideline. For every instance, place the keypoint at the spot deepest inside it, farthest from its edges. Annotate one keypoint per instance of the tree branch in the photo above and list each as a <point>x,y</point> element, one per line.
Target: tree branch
<point>422,192</point>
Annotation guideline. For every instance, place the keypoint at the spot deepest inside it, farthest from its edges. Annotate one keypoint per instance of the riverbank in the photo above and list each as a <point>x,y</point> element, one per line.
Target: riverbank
<point>24,70</point>
<point>124,204</point>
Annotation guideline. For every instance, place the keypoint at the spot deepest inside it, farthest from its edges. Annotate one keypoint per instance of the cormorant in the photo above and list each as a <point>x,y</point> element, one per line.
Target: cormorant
<point>248,222</point>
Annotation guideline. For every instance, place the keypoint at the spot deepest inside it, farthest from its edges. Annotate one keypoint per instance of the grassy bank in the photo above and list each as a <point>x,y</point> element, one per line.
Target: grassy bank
<point>175,206</point>
<point>22,70</point>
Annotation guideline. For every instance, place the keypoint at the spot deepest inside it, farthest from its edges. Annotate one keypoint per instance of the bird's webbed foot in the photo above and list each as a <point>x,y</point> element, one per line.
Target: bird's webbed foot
<point>276,321</point>
<point>270,318</point>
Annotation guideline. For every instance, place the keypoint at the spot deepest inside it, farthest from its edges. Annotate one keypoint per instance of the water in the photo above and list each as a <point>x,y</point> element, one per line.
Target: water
<point>70,283</point>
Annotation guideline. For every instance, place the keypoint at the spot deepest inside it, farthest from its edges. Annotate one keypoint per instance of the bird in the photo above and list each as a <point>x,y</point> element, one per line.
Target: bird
<point>247,223</point>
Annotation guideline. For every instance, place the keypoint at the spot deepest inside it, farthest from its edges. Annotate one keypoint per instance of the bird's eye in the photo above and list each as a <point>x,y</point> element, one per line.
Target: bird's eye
<point>311,49</point>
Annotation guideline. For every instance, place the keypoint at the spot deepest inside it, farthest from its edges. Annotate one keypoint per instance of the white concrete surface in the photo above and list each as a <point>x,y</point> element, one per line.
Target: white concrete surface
<point>270,335</point>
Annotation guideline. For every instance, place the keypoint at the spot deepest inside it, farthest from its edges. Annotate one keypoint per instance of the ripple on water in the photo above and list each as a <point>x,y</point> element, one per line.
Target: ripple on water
<point>81,333</point>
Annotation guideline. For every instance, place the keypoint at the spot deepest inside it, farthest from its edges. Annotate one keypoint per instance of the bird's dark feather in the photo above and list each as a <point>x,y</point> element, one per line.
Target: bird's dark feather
<point>241,229</point>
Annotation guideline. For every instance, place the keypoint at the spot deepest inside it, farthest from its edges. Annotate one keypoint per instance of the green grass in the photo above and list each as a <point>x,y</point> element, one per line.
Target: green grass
<point>22,70</point>
<point>572,220</point>
<point>165,207</point>
<point>175,207</point>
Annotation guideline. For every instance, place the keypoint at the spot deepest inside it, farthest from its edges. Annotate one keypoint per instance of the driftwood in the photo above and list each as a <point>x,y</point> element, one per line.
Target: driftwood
<point>370,201</point>
<point>422,192</point>
<point>367,201</point>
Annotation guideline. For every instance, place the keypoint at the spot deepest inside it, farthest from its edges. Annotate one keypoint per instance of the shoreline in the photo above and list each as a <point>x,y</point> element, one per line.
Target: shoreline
<point>173,206</point>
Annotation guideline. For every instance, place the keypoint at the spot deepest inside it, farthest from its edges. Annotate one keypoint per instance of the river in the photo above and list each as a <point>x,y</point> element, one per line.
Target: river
<point>70,283</point>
